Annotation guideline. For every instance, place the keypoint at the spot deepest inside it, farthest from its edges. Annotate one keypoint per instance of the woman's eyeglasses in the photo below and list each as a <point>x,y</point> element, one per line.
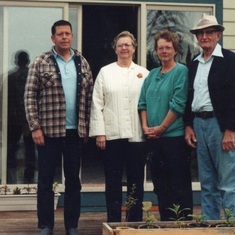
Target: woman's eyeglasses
<point>123,45</point>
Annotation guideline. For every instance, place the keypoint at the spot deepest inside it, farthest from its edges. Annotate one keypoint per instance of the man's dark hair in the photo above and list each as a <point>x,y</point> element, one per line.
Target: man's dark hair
<point>60,23</point>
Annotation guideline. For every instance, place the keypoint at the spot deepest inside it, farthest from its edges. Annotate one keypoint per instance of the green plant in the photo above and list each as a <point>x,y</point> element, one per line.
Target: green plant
<point>198,218</point>
<point>229,217</point>
<point>178,214</point>
<point>148,218</point>
<point>4,189</point>
<point>130,201</point>
<point>29,189</point>
<point>17,191</point>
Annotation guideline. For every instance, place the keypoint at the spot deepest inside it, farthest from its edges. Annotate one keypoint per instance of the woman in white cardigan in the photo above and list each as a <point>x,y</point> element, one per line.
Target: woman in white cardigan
<point>115,123</point>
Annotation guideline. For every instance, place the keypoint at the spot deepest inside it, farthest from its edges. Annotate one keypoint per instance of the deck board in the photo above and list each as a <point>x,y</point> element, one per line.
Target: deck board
<point>25,223</point>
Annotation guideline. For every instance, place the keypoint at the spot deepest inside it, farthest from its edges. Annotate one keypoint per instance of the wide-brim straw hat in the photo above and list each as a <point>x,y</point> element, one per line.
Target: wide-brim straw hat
<point>205,22</point>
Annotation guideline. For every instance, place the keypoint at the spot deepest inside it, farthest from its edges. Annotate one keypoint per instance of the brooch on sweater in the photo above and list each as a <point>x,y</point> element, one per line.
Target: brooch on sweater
<point>139,75</point>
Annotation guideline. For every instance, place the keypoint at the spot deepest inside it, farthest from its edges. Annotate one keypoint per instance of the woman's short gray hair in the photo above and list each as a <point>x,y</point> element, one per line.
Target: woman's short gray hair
<point>124,34</point>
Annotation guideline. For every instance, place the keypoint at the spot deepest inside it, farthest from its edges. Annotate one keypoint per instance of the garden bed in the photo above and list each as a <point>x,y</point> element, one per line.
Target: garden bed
<point>167,228</point>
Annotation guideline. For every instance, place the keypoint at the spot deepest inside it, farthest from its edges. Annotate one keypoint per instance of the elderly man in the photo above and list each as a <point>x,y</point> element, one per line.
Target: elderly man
<point>210,118</point>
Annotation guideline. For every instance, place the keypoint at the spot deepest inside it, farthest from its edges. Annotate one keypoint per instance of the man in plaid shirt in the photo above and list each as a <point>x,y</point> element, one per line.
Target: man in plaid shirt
<point>57,102</point>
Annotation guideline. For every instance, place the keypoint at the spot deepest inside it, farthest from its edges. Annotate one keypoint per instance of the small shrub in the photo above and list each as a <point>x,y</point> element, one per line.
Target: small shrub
<point>177,211</point>
<point>148,218</point>
<point>130,202</point>
<point>17,191</point>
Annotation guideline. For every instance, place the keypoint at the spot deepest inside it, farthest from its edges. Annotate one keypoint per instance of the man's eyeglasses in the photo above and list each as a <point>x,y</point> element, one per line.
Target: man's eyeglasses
<point>124,45</point>
<point>206,32</point>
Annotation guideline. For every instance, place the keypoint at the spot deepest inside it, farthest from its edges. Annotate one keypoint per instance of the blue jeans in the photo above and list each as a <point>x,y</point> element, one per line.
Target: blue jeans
<point>216,169</point>
<point>170,171</point>
<point>120,154</point>
<point>49,156</point>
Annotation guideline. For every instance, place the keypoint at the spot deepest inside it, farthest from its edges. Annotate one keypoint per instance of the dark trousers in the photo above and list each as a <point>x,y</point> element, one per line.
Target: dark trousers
<point>170,171</point>
<point>48,157</point>
<point>120,155</point>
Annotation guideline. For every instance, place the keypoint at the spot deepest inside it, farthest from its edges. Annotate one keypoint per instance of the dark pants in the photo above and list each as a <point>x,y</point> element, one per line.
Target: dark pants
<point>120,154</point>
<point>48,157</point>
<point>170,171</point>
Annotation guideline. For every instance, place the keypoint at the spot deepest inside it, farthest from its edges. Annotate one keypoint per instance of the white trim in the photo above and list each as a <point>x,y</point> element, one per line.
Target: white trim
<point>182,7</point>
<point>4,95</point>
<point>143,33</point>
<point>79,29</point>
<point>147,188</point>
<point>34,4</point>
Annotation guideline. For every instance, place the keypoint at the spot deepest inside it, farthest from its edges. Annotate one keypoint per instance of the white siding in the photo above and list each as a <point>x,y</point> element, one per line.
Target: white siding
<point>229,24</point>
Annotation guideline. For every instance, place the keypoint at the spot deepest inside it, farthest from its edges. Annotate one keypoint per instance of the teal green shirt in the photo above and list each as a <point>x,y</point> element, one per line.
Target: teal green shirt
<point>162,92</point>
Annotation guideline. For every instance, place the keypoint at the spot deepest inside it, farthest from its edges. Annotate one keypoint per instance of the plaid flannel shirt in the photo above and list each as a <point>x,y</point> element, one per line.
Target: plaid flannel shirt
<point>44,96</point>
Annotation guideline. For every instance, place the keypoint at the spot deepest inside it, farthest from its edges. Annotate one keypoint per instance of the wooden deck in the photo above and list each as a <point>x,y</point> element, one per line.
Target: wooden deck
<point>25,222</point>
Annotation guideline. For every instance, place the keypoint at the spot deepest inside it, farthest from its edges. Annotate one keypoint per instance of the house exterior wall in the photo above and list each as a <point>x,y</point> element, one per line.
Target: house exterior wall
<point>229,24</point>
<point>226,16</point>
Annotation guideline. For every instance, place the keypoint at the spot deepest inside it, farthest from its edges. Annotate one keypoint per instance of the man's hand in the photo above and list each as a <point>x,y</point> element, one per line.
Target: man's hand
<point>190,137</point>
<point>228,140</point>
<point>38,137</point>
<point>85,140</point>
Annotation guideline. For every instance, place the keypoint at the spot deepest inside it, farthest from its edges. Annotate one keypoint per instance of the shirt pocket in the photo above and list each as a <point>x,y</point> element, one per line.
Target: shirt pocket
<point>47,79</point>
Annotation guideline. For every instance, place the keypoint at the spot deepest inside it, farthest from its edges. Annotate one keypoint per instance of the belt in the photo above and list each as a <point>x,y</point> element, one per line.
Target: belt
<point>204,114</point>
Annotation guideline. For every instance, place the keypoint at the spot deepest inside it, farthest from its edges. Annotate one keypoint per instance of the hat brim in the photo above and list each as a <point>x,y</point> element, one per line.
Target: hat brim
<point>218,26</point>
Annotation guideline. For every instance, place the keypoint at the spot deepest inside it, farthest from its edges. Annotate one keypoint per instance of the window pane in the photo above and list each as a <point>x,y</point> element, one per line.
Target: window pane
<point>27,32</point>
<point>97,49</point>
<point>176,21</point>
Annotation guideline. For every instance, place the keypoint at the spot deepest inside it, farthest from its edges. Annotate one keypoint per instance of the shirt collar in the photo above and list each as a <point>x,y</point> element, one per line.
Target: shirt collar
<point>217,52</point>
<point>58,55</point>
<point>132,66</point>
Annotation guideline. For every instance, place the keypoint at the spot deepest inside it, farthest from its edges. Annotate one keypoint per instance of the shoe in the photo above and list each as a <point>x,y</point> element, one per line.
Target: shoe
<point>73,231</point>
<point>46,231</point>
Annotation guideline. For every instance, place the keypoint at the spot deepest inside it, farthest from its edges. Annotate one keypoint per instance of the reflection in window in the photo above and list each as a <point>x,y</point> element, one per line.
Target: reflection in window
<point>176,21</point>
<point>21,152</point>
<point>26,37</point>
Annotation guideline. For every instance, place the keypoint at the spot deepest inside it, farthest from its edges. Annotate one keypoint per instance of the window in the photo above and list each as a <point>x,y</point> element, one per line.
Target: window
<point>25,33</point>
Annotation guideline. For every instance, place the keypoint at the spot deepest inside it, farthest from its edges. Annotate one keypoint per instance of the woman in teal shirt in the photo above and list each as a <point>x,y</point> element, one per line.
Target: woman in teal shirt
<point>161,105</point>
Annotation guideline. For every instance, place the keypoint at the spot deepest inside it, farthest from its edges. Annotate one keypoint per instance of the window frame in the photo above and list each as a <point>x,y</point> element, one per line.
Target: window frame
<point>65,5</point>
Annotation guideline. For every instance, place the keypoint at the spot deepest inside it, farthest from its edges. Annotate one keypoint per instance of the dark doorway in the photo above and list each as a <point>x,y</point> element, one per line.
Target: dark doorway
<point>100,25</point>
